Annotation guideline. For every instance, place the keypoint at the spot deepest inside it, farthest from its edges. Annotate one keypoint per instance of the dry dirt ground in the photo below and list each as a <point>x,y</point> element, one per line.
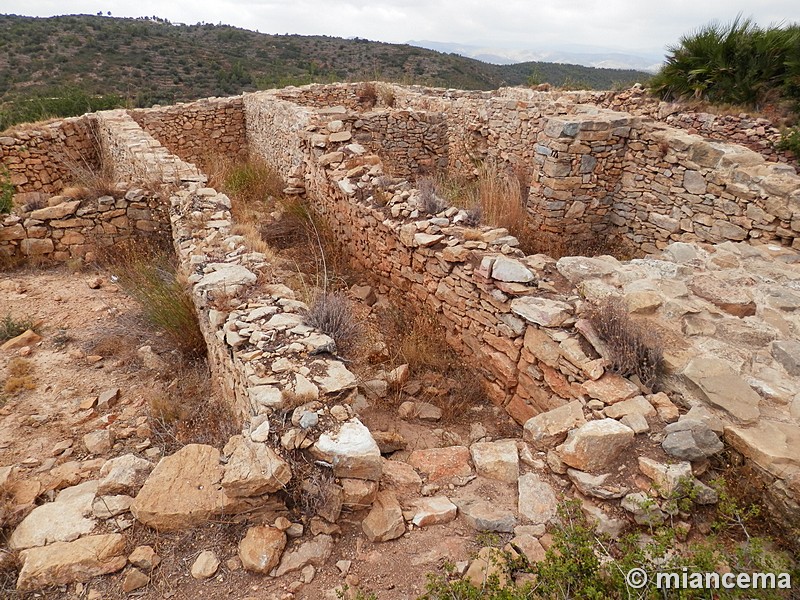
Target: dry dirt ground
<point>90,341</point>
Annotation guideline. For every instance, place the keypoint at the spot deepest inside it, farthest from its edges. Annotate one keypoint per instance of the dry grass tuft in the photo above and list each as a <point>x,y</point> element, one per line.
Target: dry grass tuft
<point>148,274</point>
<point>429,200</point>
<point>187,412</point>
<point>367,94</point>
<point>632,348</point>
<point>19,377</point>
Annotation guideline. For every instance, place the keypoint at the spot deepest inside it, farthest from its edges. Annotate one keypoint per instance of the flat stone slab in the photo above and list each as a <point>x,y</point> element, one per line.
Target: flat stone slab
<point>483,515</point>
<point>542,311</point>
<point>771,445</point>
<point>182,491</point>
<point>537,500</point>
<point>64,563</point>
<point>720,386</point>
<point>63,520</point>
<point>442,463</point>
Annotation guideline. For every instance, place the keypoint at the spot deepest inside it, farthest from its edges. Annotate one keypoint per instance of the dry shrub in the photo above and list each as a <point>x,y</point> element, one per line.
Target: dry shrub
<point>422,344</point>
<point>148,273</point>
<point>310,486</point>
<point>503,203</point>
<point>20,376</point>
<point>386,93</point>
<point>367,94</point>
<point>332,313</point>
<point>632,349</point>
<point>186,411</point>
<point>429,201</point>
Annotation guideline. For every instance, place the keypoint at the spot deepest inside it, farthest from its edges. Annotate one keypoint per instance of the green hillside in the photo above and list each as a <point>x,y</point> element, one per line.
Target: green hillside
<point>139,62</point>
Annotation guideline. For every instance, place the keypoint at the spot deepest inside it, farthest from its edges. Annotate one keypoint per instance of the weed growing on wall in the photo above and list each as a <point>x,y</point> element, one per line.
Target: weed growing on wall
<point>6,191</point>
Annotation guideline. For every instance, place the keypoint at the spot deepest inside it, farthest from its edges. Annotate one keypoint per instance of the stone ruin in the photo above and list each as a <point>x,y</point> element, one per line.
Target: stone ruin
<point>716,227</point>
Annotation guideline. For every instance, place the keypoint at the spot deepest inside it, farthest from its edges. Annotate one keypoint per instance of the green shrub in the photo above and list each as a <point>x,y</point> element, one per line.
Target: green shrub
<point>6,191</point>
<point>739,63</point>
<point>55,103</point>
<point>790,141</point>
<point>11,328</point>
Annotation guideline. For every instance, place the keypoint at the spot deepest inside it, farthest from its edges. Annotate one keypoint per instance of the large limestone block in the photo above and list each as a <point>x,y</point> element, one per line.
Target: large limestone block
<point>63,563</point>
<point>594,446</point>
<point>730,297</point>
<point>496,460</point>
<point>253,469</point>
<point>542,311</point>
<point>64,520</point>
<point>772,445</point>
<point>351,450</point>
<point>548,429</point>
<point>720,386</point>
<point>183,490</point>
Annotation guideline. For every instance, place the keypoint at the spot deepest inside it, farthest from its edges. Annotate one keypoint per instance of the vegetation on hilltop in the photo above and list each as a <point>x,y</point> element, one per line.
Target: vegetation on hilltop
<point>67,65</point>
<point>738,63</point>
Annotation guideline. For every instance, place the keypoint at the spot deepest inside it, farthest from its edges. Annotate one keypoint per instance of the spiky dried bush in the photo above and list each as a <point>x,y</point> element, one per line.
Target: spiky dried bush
<point>332,314</point>
<point>367,94</point>
<point>631,348</point>
<point>429,200</point>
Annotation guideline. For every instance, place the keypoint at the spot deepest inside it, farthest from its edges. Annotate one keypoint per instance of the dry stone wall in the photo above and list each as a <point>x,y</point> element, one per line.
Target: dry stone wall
<point>43,158</point>
<point>195,130</point>
<point>68,228</point>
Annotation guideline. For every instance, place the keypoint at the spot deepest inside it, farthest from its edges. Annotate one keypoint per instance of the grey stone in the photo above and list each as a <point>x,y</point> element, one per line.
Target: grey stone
<point>537,500</point>
<point>578,268</point>
<point>123,475</point>
<point>690,440</point>
<point>787,353</point>
<point>486,516</point>
<point>511,270</point>
<point>542,311</point>
<point>645,510</point>
<point>313,552</point>
<point>594,485</point>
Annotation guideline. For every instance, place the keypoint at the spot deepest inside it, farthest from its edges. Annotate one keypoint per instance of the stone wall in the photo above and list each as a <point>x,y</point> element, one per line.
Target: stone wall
<point>44,158</point>
<point>70,228</point>
<point>195,130</point>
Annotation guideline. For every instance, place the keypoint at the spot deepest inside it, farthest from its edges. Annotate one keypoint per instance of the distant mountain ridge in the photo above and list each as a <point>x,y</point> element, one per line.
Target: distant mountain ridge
<point>601,58</point>
<point>146,61</point>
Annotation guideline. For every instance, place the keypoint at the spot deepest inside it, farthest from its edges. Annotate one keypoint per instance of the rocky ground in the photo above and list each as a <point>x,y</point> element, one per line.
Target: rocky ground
<point>100,502</point>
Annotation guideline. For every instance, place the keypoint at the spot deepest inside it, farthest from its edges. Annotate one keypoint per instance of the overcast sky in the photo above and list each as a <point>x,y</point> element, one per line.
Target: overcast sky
<point>631,25</point>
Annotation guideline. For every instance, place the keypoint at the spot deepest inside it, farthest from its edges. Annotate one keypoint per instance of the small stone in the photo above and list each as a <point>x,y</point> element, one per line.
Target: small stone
<point>485,516</point>
<point>595,445</point>
<point>134,579</point>
<point>144,558</point>
<point>205,566</point>
<point>489,562</point>
<point>99,442</point>
<point>496,460</point>
<point>385,520</point>
<point>343,566</point>
<point>261,548</point>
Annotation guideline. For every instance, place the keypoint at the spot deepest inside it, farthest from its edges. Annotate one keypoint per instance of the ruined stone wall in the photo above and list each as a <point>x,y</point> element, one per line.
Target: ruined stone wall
<point>135,156</point>
<point>44,158</point>
<point>756,133</point>
<point>69,228</point>
<point>195,130</point>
